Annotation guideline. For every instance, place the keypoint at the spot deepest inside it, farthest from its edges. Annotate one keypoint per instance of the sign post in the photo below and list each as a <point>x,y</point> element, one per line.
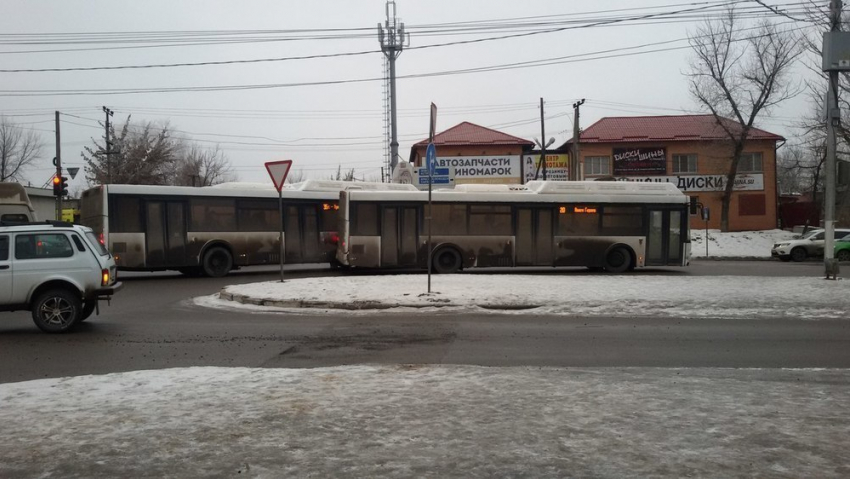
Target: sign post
<point>278,171</point>
<point>431,166</point>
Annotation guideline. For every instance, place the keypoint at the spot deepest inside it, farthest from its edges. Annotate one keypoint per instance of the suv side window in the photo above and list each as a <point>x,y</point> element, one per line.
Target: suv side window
<point>4,248</point>
<point>46,245</point>
<point>819,236</point>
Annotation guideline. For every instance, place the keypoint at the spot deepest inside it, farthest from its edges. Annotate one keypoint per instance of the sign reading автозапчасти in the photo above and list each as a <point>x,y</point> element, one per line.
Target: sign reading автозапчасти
<point>640,161</point>
<point>474,167</point>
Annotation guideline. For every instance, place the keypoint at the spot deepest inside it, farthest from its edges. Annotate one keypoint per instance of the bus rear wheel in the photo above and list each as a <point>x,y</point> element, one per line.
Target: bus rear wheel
<point>447,261</point>
<point>217,262</point>
<point>618,260</point>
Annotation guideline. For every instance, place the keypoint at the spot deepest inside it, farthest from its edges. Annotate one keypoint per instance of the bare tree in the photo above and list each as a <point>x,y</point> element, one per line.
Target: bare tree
<point>198,166</point>
<point>138,155</point>
<point>19,148</point>
<point>799,169</point>
<point>737,78</point>
<point>295,176</point>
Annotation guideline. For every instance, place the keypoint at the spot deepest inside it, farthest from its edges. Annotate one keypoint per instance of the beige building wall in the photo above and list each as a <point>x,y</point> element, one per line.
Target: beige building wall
<point>713,158</point>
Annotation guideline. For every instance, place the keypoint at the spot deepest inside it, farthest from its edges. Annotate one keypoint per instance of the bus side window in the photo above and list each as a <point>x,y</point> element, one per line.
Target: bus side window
<point>571,223</point>
<point>125,215</point>
<point>212,214</point>
<point>622,221</point>
<point>449,220</point>
<point>366,222</point>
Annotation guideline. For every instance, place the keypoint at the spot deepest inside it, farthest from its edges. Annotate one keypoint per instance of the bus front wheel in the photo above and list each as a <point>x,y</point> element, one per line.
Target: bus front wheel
<point>447,261</point>
<point>217,262</point>
<point>618,260</point>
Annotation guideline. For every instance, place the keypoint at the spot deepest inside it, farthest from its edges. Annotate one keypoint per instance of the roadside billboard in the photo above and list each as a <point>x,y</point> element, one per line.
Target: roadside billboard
<point>557,167</point>
<point>640,161</point>
<point>505,169</point>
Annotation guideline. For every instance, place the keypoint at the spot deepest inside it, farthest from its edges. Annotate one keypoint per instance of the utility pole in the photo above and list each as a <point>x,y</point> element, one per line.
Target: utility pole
<point>575,161</point>
<point>833,121</point>
<point>392,43</point>
<point>542,140</point>
<point>108,147</point>
<point>58,163</point>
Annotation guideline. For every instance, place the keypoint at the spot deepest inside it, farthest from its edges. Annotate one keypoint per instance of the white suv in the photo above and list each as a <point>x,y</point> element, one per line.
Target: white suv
<point>58,271</point>
<point>810,244</point>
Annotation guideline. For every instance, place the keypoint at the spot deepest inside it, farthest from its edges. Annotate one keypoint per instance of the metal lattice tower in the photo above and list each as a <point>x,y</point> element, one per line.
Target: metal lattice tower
<point>387,121</point>
<point>392,38</point>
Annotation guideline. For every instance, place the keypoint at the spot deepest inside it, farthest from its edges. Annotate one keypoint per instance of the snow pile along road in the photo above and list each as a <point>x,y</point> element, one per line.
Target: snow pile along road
<point>674,295</point>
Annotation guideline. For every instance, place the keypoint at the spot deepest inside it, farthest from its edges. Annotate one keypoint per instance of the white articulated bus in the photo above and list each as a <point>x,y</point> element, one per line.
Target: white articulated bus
<point>212,230</point>
<point>615,226</point>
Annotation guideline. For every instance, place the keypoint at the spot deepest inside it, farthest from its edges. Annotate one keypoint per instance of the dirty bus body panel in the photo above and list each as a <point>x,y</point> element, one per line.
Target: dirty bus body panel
<point>212,230</point>
<point>15,206</point>
<point>611,225</point>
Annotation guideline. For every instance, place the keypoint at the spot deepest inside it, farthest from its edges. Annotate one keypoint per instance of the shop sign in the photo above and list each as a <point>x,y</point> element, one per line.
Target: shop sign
<point>483,169</point>
<point>743,182</point>
<point>557,167</point>
<point>640,161</point>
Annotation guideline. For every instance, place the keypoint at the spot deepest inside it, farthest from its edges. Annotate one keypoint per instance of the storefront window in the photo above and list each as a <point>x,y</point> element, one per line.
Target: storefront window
<point>597,165</point>
<point>684,163</point>
<point>750,163</point>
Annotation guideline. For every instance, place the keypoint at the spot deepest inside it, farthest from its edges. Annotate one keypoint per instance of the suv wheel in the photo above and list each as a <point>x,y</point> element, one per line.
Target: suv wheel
<point>844,255</point>
<point>88,309</point>
<point>56,311</point>
<point>799,254</point>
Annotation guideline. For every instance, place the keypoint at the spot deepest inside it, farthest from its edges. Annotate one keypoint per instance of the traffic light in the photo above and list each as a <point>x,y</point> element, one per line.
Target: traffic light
<point>57,186</point>
<point>64,188</point>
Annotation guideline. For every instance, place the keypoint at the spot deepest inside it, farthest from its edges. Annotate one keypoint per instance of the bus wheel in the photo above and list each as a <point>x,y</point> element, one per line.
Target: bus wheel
<point>447,261</point>
<point>217,262</point>
<point>618,260</point>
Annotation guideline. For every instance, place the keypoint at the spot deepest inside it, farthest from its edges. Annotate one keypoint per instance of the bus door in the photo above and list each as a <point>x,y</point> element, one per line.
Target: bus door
<point>664,239</point>
<point>399,233</point>
<point>534,237</point>
<point>301,234</point>
<point>166,233</point>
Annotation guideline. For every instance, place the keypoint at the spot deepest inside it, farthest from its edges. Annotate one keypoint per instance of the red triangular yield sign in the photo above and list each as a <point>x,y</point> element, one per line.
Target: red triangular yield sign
<point>278,171</point>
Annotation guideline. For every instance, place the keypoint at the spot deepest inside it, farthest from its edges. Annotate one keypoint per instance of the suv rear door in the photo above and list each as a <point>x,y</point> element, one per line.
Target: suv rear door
<point>5,270</point>
<point>39,255</point>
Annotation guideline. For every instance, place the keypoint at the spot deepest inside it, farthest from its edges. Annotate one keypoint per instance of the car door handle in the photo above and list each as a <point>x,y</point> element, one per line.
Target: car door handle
<point>4,266</point>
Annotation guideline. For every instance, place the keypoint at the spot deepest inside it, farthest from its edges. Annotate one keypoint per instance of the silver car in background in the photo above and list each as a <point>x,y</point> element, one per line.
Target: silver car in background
<point>809,245</point>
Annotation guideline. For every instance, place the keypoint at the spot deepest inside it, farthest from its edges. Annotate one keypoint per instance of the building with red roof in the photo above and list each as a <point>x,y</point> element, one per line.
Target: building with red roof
<point>692,151</point>
<point>476,154</point>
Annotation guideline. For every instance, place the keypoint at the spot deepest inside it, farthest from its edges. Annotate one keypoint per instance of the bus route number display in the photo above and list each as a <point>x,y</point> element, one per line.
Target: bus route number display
<point>588,210</point>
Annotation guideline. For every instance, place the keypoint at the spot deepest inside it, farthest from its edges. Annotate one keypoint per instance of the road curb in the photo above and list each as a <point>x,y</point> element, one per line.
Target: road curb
<point>354,305</point>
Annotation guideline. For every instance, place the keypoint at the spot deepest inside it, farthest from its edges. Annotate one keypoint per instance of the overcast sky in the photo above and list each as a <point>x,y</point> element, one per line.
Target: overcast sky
<point>321,126</point>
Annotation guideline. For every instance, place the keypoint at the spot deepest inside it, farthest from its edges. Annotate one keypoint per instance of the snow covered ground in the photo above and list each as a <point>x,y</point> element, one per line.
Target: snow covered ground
<point>744,244</point>
<point>429,421</point>
<point>460,421</point>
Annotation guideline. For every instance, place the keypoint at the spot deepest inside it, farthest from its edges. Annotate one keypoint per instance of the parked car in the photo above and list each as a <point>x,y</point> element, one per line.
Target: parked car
<point>842,249</point>
<point>56,270</point>
<point>809,245</point>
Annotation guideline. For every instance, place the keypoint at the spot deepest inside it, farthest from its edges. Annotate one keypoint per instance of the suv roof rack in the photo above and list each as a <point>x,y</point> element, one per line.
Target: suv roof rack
<point>54,223</point>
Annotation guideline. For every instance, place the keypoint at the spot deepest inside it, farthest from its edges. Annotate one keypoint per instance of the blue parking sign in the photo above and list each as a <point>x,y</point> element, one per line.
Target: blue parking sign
<point>431,158</point>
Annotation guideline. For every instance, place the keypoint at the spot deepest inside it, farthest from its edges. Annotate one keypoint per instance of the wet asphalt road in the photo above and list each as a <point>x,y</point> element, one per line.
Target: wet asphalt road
<point>153,324</point>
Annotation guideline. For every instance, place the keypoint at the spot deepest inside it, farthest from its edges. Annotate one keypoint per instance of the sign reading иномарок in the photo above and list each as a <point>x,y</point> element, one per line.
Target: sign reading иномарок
<point>483,169</point>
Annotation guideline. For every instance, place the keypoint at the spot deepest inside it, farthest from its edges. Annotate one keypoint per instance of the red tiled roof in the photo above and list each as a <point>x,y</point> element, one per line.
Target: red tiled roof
<point>633,129</point>
<point>467,133</point>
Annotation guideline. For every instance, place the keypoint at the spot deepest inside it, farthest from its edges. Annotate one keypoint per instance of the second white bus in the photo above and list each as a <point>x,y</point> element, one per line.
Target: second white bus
<point>615,226</point>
